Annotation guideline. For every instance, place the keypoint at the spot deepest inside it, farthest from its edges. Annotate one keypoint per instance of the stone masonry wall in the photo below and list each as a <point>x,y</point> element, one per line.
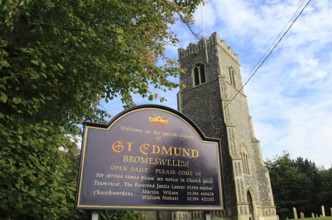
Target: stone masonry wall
<point>209,106</point>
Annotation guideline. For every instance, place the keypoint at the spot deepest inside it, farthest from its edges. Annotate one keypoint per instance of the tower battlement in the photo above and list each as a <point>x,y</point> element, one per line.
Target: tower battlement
<point>200,46</point>
<point>212,76</point>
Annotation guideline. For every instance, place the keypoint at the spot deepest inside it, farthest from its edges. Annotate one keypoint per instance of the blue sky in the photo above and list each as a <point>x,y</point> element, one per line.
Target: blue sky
<point>290,97</point>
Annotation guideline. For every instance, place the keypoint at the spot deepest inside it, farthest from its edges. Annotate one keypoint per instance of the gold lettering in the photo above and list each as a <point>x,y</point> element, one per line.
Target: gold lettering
<point>186,152</point>
<point>129,145</point>
<point>164,150</point>
<point>144,160</point>
<point>178,153</point>
<point>155,149</point>
<point>117,146</point>
<point>194,153</point>
<point>147,149</point>
<point>143,148</point>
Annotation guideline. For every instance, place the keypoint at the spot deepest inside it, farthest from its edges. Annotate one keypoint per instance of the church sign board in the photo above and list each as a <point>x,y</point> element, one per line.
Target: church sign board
<point>149,157</point>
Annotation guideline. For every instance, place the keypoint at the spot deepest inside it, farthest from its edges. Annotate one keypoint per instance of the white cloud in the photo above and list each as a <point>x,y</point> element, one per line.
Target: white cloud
<point>290,96</point>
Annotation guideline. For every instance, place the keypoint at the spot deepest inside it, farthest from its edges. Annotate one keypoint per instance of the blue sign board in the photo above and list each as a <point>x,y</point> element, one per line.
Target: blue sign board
<point>149,157</point>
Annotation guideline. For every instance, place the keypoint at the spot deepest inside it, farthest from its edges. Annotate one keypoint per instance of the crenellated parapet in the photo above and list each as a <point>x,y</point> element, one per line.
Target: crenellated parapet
<point>247,188</point>
<point>200,46</point>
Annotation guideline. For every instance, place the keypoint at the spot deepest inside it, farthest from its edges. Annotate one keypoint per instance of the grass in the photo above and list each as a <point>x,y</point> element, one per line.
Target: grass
<point>317,218</point>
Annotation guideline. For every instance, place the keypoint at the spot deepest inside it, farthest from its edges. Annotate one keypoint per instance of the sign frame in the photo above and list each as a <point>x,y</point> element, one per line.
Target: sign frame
<point>84,186</point>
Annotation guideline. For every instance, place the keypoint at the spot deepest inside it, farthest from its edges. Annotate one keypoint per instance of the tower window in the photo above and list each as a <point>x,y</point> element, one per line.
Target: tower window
<point>199,74</point>
<point>244,157</point>
<point>232,76</point>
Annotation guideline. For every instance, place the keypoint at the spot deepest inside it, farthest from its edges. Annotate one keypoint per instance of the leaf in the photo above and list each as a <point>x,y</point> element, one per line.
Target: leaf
<point>72,54</point>
<point>3,97</point>
<point>20,130</point>
<point>33,192</point>
<point>36,62</point>
<point>60,66</point>
<point>17,100</point>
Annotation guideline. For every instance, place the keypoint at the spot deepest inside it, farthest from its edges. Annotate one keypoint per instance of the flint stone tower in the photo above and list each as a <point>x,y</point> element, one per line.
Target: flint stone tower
<point>212,78</point>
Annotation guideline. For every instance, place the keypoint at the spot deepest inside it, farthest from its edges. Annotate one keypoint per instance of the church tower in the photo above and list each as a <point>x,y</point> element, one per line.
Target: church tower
<point>212,78</point>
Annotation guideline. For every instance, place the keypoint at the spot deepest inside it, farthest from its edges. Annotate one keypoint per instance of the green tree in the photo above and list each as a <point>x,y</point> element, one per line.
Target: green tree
<point>294,183</point>
<point>325,190</point>
<point>58,59</point>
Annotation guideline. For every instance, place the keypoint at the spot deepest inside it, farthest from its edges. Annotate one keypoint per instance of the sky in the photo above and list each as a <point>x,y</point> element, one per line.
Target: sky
<point>290,96</point>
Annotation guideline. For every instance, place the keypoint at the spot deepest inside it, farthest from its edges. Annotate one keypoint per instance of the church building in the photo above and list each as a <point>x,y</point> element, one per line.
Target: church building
<point>212,79</point>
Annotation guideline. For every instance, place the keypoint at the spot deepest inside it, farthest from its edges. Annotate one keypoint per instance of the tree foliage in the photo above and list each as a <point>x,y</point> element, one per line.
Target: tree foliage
<point>325,194</point>
<point>58,59</point>
<point>299,183</point>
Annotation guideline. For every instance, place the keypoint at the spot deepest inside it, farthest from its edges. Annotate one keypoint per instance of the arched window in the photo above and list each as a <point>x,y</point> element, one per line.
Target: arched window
<point>232,76</point>
<point>199,74</point>
<point>244,157</point>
